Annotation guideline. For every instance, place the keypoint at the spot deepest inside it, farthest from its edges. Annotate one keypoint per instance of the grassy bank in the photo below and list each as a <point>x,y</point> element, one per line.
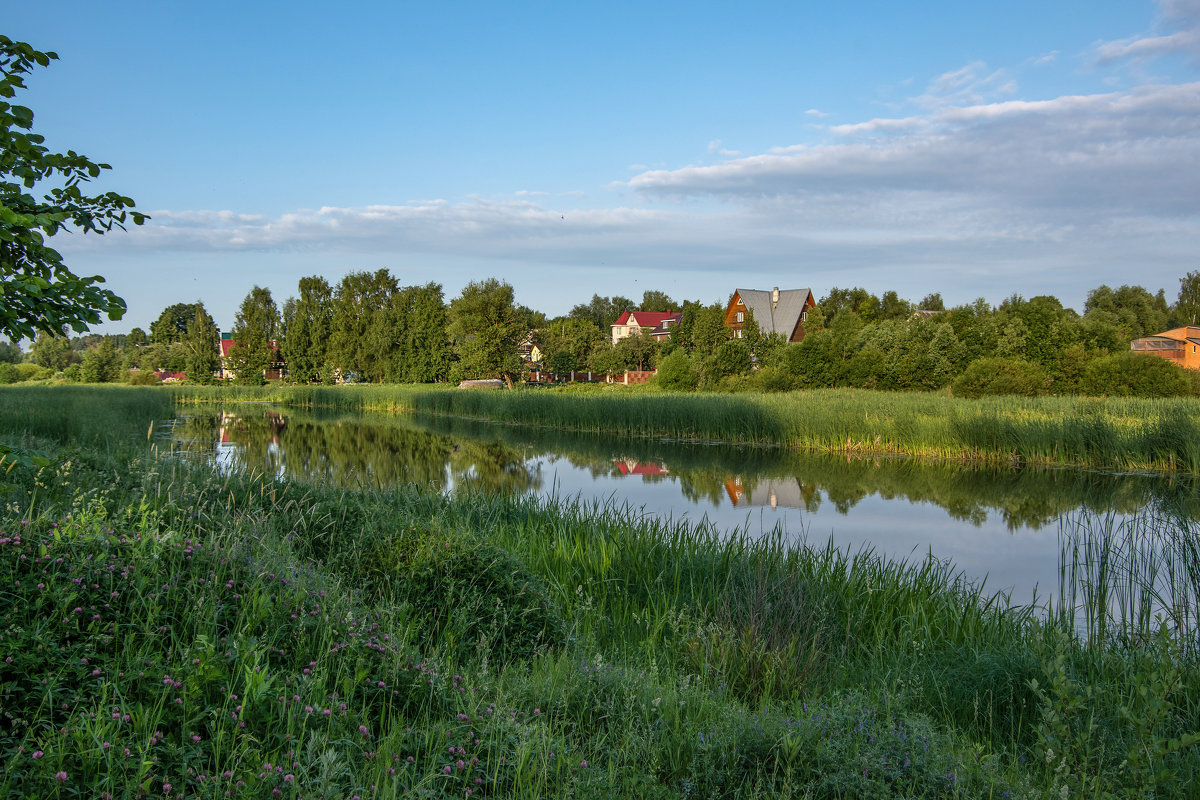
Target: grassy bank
<point>169,631</point>
<point>1109,433</point>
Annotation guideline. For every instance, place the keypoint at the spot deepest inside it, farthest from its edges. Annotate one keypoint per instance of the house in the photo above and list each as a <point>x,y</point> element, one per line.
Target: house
<point>530,353</point>
<point>653,322</point>
<point>662,331</point>
<point>274,373</point>
<point>777,311</point>
<point>1180,345</point>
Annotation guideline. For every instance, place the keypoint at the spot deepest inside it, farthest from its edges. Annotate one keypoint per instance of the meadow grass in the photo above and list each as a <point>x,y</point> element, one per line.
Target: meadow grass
<point>1111,433</point>
<point>172,631</point>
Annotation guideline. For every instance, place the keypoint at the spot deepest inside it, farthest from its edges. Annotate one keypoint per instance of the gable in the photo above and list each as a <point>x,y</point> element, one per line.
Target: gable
<point>783,317</point>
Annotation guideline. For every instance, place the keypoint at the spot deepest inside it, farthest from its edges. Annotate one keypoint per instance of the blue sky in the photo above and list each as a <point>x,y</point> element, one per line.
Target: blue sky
<point>975,149</point>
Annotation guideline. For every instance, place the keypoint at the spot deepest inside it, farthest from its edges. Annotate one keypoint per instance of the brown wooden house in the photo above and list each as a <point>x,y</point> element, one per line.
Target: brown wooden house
<point>1180,345</point>
<point>777,311</point>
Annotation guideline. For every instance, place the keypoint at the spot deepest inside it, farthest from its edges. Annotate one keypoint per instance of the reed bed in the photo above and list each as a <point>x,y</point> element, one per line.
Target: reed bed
<point>178,632</point>
<point>1106,433</point>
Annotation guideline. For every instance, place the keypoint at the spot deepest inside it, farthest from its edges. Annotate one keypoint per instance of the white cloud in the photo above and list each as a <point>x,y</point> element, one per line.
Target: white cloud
<point>717,147</point>
<point>816,112</point>
<point>972,83</point>
<point>1180,23</point>
<point>1147,46</point>
<point>969,191</point>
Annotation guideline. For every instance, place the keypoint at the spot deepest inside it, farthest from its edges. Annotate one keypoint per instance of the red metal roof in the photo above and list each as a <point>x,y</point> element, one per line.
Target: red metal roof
<point>643,319</point>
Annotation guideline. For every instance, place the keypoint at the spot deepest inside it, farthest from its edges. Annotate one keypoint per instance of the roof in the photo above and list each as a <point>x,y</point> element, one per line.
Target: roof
<point>643,319</point>
<point>786,314</point>
<point>664,327</point>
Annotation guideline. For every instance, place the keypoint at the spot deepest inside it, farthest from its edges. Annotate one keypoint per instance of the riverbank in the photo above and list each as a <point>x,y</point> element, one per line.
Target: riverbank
<point>1101,433</point>
<point>187,633</point>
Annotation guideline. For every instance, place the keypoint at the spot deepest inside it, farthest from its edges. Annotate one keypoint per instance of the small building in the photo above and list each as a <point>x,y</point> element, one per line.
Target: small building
<point>653,322</point>
<point>777,311</point>
<point>662,331</point>
<point>1180,345</point>
<point>273,373</point>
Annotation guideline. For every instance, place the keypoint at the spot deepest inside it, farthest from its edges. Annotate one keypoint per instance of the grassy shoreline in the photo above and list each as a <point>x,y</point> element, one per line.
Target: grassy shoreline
<point>172,627</point>
<point>1102,433</point>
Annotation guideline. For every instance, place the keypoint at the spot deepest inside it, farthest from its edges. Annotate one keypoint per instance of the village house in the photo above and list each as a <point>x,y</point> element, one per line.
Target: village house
<point>656,323</point>
<point>226,373</point>
<point>777,311</point>
<point>1180,345</point>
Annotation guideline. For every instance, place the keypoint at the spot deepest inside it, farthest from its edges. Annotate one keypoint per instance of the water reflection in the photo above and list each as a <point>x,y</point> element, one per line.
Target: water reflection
<point>995,522</point>
<point>351,451</point>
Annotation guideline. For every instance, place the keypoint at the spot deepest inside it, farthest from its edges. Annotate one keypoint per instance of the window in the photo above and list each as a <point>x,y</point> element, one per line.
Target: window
<point>741,316</point>
<point>804,316</point>
<point>737,334</point>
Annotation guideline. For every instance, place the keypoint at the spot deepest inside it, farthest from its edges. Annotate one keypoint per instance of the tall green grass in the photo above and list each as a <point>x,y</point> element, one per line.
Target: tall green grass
<point>1110,433</point>
<point>568,650</point>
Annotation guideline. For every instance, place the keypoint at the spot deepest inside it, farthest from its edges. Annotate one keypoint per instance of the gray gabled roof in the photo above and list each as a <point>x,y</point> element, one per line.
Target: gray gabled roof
<point>781,319</point>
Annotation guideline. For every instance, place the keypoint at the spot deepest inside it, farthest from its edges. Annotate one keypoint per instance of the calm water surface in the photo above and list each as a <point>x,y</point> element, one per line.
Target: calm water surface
<point>998,525</point>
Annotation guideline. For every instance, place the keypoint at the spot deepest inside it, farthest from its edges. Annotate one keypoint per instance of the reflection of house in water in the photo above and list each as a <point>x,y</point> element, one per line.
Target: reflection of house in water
<point>631,466</point>
<point>231,423</point>
<point>773,492</point>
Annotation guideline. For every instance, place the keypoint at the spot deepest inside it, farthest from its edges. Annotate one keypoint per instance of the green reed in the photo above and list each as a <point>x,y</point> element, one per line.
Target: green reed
<point>1115,433</point>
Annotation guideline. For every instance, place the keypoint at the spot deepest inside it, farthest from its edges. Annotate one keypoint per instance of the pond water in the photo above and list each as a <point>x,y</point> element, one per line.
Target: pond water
<point>998,525</point>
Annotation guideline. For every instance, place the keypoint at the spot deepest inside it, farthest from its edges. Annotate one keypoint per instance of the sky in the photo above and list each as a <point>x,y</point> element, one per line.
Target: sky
<point>973,149</point>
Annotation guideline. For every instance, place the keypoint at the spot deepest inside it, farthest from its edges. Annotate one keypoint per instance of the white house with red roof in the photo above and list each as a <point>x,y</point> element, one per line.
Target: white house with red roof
<point>656,323</point>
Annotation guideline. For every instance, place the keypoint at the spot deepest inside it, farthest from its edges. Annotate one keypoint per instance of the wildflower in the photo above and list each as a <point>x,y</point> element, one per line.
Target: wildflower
<point>38,754</point>
<point>60,776</point>
<point>167,788</point>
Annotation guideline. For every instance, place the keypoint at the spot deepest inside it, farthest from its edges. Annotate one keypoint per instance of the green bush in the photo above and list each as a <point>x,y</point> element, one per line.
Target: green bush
<point>1131,374</point>
<point>676,372</point>
<point>31,372</point>
<point>143,377</point>
<point>1001,376</point>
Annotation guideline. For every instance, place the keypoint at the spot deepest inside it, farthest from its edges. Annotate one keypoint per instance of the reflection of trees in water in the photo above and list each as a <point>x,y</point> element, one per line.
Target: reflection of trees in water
<point>381,450</point>
<point>1022,497</point>
<point>353,452</point>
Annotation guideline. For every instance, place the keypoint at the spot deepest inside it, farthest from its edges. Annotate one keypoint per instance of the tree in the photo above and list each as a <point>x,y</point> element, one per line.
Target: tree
<point>203,345</point>
<point>932,302</point>
<point>362,341</point>
<point>421,350</point>
<point>10,353</point>
<point>1187,306</point>
<point>602,311</point>
<point>706,330</point>
<point>485,331</point>
<point>172,324</point>
<point>307,326</point>
<point>53,351</point>
<point>37,290</point>
<point>578,338</point>
<point>858,300</point>
<point>102,363</point>
<point>254,329</point>
<point>657,301</point>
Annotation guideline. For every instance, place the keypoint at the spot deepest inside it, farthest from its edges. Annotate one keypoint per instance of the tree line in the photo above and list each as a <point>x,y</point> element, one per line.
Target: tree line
<point>369,327</point>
